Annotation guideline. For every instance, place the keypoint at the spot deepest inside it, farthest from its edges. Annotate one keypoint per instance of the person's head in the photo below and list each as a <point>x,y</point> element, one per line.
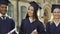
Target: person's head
<point>32,10</point>
<point>3,6</point>
<point>56,11</point>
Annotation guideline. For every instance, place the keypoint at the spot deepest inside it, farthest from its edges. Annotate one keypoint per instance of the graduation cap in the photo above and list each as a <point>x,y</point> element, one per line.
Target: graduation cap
<point>35,5</point>
<point>6,2</point>
<point>54,6</point>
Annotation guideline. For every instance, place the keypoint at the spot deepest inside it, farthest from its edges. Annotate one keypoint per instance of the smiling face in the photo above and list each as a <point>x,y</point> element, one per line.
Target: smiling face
<point>30,11</point>
<point>3,9</point>
<point>56,13</point>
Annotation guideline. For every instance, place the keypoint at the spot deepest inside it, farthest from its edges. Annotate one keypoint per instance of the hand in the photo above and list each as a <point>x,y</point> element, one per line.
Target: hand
<point>10,33</point>
<point>34,32</point>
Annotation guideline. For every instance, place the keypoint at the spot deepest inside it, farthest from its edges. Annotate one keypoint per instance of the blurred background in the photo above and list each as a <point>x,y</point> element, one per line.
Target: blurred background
<point>18,9</point>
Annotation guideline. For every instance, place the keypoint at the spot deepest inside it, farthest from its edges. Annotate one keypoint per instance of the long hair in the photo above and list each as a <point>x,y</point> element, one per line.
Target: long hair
<point>51,19</point>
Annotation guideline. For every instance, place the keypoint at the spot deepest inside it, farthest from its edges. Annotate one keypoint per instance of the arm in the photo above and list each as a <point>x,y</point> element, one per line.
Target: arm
<point>13,27</point>
<point>47,28</point>
<point>40,28</point>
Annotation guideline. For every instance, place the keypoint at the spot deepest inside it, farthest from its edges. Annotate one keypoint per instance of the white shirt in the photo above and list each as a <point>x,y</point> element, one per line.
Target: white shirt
<point>31,20</point>
<point>56,23</point>
<point>5,16</point>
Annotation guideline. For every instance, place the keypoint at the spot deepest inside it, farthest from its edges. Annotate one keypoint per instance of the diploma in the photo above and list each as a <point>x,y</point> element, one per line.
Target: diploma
<point>34,31</point>
<point>11,31</point>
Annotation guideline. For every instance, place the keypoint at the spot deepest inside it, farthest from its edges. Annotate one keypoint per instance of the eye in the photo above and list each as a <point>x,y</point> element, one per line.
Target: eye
<point>32,10</point>
<point>5,7</point>
<point>2,7</point>
<point>58,12</point>
<point>54,12</point>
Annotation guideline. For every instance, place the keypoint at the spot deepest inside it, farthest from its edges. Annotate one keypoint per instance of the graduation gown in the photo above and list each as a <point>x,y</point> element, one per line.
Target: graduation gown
<point>6,25</point>
<point>52,28</point>
<point>27,27</point>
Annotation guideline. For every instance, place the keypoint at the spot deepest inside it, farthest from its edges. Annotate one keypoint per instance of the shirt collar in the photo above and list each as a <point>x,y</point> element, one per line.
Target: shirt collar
<point>2,17</point>
<point>5,15</point>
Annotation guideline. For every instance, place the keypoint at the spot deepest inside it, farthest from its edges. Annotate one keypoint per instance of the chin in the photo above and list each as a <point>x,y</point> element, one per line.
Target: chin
<point>30,15</point>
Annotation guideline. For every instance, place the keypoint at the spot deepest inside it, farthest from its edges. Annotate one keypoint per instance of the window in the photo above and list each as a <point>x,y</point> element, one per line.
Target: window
<point>10,10</point>
<point>23,11</point>
<point>58,1</point>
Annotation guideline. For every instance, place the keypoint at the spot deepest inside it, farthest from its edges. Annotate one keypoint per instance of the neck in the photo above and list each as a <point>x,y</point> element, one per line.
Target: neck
<point>31,18</point>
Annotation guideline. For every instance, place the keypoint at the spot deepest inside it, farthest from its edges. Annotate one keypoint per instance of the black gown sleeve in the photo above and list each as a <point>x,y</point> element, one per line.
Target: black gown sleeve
<point>47,28</point>
<point>40,28</point>
<point>13,26</point>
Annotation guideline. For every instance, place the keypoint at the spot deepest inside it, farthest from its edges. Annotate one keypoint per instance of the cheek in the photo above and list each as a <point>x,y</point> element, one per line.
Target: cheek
<point>59,14</point>
<point>56,15</point>
<point>31,12</point>
<point>0,8</point>
<point>3,9</point>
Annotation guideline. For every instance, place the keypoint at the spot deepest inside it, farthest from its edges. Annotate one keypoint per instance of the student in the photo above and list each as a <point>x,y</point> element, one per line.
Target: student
<point>7,24</point>
<point>31,23</point>
<point>53,26</point>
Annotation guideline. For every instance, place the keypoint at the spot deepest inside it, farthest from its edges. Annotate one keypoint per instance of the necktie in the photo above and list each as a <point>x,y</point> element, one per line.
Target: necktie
<point>3,17</point>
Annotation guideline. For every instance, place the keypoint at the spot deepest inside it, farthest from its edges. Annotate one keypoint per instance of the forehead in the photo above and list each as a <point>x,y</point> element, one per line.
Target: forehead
<point>56,9</point>
<point>31,7</point>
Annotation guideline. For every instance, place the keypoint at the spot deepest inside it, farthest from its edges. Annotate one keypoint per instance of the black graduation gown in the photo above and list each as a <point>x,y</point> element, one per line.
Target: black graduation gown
<point>6,25</point>
<point>27,27</point>
<point>52,29</point>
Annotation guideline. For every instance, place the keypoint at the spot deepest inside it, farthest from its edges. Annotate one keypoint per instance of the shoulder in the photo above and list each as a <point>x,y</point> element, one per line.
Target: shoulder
<point>24,20</point>
<point>48,22</point>
<point>39,22</point>
<point>10,18</point>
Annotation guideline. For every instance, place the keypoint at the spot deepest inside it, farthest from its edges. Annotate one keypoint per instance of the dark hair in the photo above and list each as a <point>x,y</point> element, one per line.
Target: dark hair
<point>35,6</point>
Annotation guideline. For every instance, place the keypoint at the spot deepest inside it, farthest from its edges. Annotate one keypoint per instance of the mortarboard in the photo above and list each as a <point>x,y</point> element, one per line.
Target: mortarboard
<point>54,6</point>
<point>6,2</point>
<point>35,5</point>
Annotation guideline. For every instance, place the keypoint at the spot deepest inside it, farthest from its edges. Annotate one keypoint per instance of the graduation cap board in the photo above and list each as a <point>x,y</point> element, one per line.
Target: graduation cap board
<point>55,6</point>
<point>35,5</point>
<point>6,2</point>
